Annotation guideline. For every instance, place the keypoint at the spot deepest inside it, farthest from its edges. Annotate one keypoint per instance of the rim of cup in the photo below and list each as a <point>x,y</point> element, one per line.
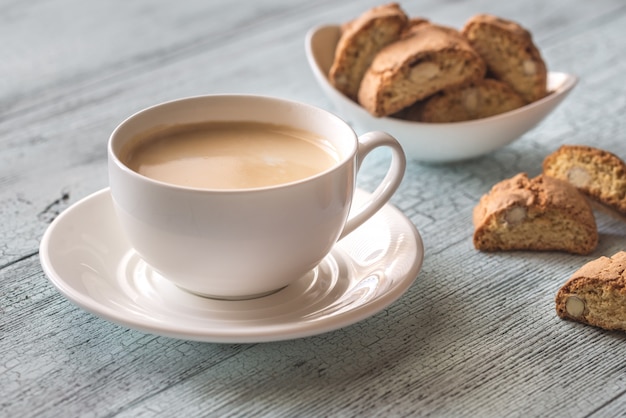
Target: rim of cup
<point>343,157</point>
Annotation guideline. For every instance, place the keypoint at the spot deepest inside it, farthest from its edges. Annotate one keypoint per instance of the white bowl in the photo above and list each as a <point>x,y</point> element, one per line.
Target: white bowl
<point>434,142</point>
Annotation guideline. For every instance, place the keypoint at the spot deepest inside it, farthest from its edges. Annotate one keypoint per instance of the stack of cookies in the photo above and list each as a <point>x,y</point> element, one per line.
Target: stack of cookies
<point>410,68</point>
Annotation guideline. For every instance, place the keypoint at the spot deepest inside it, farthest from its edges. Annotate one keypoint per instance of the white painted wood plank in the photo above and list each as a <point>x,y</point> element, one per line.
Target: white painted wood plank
<point>475,336</point>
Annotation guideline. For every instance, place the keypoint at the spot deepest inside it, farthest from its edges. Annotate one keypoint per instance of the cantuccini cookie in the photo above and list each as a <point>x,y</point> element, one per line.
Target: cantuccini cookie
<point>360,41</point>
<point>595,172</point>
<point>480,99</point>
<point>540,214</point>
<point>426,59</point>
<point>596,294</point>
<point>510,54</point>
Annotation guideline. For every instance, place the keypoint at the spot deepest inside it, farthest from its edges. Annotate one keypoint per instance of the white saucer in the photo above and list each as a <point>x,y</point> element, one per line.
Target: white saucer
<point>87,258</point>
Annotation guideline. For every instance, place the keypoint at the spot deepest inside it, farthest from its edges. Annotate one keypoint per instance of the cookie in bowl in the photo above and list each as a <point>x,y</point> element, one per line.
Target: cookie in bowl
<point>510,54</point>
<point>480,99</point>
<point>428,58</point>
<point>360,41</point>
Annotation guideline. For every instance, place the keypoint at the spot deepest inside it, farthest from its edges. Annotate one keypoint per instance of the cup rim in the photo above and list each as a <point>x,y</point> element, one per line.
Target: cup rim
<point>113,157</point>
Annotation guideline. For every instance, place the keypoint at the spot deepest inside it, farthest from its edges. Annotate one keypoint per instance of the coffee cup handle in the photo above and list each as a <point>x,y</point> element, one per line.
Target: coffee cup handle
<point>387,187</point>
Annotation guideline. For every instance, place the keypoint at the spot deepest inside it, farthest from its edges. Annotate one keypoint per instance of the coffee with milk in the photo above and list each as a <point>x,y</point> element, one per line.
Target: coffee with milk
<point>228,155</point>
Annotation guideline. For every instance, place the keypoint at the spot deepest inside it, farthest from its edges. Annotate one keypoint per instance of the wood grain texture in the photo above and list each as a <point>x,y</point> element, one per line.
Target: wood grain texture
<point>476,335</point>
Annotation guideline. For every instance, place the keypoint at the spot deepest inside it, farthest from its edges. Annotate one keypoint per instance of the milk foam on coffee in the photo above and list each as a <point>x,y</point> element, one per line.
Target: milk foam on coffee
<point>229,155</point>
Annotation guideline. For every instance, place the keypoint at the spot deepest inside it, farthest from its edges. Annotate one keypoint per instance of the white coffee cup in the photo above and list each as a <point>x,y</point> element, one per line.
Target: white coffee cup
<point>237,244</point>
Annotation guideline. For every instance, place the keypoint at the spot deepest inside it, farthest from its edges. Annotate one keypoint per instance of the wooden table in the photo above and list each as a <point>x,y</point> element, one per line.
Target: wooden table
<point>475,335</point>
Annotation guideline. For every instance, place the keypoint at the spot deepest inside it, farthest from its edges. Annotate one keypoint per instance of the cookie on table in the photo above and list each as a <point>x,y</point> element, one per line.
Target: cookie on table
<point>426,59</point>
<point>480,99</point>
<point>510,54</point>
<point>596,294</point>
<point>595,172</point>
<point>539,214</point>
<point>360,41</point>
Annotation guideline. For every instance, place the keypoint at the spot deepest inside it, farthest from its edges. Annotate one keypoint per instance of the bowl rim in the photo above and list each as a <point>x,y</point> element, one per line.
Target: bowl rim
<point>562,83</point>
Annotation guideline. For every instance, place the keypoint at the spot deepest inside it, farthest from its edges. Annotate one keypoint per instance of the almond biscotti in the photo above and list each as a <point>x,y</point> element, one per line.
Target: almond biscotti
<point>596,294</point>
<point>540,214</point>
<point>426,59</point>
<point>480,99</point>
<point>510,54</point>
<point>595,172</point>
<point>360,41</point>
